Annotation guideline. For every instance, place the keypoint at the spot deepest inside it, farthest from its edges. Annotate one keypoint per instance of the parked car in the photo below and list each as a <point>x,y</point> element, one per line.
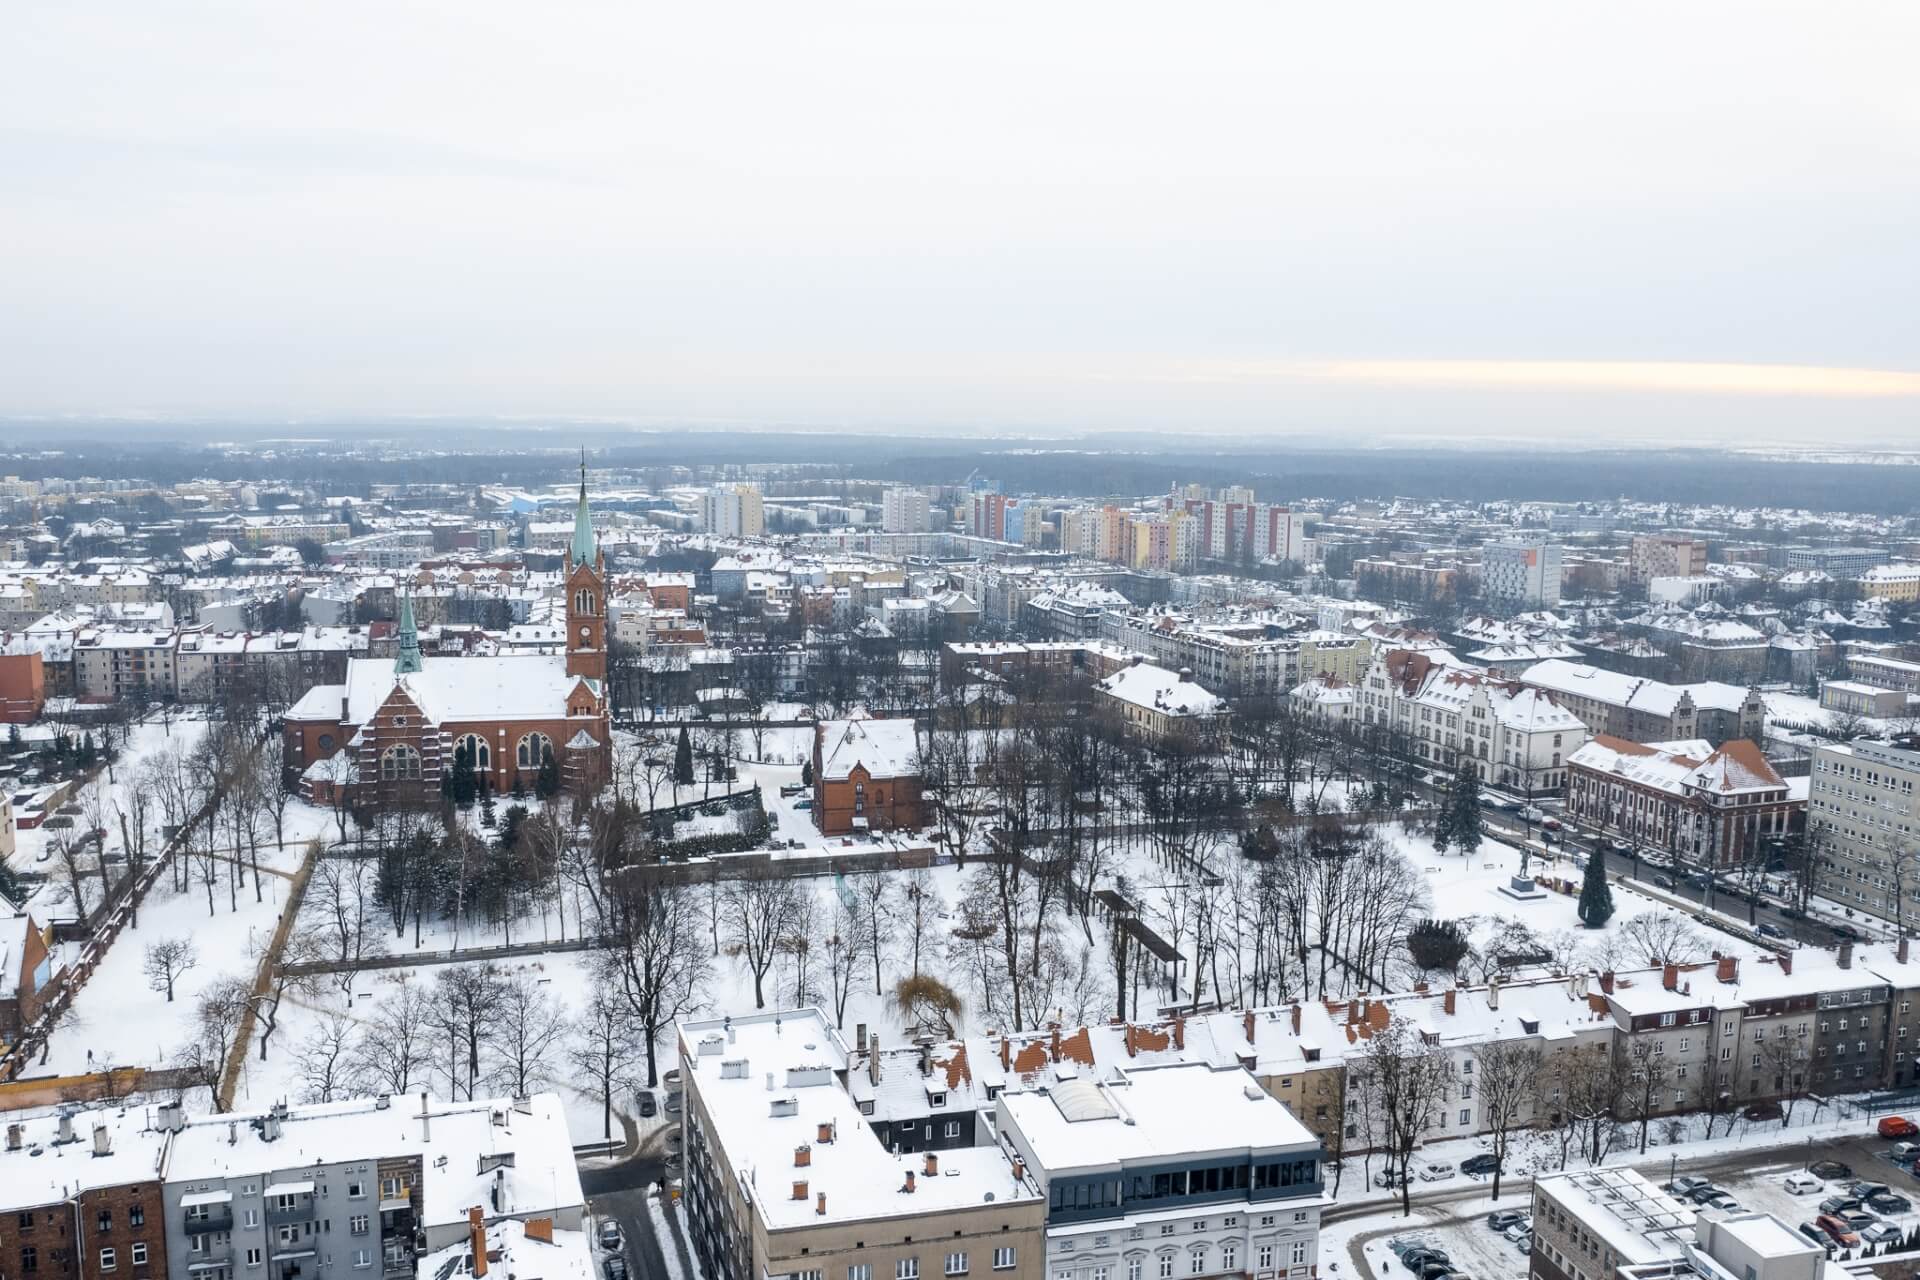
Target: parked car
<point>1532,812</point>
<point>1859,1219</point>
<point>1686,1184</point>
<point>794,788</point>
<point>1804,1184</point>
<point>1898,1127</point>
<point>1701,1195</point>
<point>1772,931</point>
<point>1837,1230</point>
<point>1831,1170</point>
<point>1904,1152</point>
<point>1722,1201</point>
<point>1839,1204</point>
<point>609,1234</point>
<point>1551,824</point>
<point>1479,1166</point>
<point>1524,1245</point>
<point>1880,1232</point>
<point>1501,1219</point>
<point>1518,1231</point>
<point>1388,1178</point>
<point>1816,1235</point>
<point>1438,1171</point>
<point>616,1268</point>
<point>1867,1190</point>
<point>804,804</point>
<point>648,1106</point>
<point>1763,1111</point>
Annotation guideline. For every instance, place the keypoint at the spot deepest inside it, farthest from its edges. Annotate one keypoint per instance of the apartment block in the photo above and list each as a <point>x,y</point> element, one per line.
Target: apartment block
<point>1666,555</point>
<point>1521,574</point>
<point>1862,819</point>
<point>785,1177</point>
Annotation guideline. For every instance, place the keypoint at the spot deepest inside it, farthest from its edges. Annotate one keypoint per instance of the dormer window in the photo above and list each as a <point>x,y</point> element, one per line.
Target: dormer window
<point>936,1099</point>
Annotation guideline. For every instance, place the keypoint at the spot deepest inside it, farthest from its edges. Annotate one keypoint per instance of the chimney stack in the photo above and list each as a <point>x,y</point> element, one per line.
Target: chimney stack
<point>1786,963</point>
<point>825,1135</point>
<point>1446,1001</point>
<point>14,1137</point>
<point>873,1059</point>
<point>802,1156</point>
<point>1729,968</point>
<point>1126,1038</point>
<point>820,1205</point>
<point>477,1240</point>
<point>800,1190</point>
<point>1006,1054</point>
<point>1606,982</point>
<point>1250,1024</point>
<point>102,1140</point>
<point>933,1165</point>
<point>1846,955</point>
<point>1493,993</point>
<point>1670,977</point>
<point>1180,1032</point>
<point>426,1122</point>
<point>1296,1019</point>
<point>1053,1042</point>
<point>908,1189</point>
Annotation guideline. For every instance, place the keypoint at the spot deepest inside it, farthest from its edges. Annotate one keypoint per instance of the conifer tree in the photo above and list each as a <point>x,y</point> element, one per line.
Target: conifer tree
<point>1596,895</point>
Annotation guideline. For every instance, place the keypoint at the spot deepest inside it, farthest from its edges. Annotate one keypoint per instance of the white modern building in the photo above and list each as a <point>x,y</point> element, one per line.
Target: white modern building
<point>1170,1170</point>
<point>1524,574</point>
<point>734,511</point>
<point>906,511</point>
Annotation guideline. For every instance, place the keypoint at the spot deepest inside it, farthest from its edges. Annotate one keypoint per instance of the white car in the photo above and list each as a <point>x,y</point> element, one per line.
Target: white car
<point>1804,1184</point>
<point>1439,1171</point>
<point>1533,813</point>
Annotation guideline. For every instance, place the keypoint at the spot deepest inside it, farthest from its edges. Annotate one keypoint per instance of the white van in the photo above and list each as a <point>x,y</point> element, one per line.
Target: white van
<point>1804,1184</point>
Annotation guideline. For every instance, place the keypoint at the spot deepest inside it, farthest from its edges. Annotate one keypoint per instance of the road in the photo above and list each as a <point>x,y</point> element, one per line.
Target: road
<point>620,1192</point>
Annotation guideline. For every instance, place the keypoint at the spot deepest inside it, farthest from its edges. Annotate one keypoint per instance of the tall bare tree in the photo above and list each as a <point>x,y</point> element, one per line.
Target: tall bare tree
<point>759,912</point>
<point>1507,1073</point>
<point>166,961</point>
<point>528,1026</point>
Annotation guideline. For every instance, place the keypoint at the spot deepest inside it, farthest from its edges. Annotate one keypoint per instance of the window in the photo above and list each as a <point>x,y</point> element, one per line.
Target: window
<point>953,1128</point>
<point>1197,1262</point>
<point>1199,1224</point>
<point>253,1217</point>
<point>860,1271</point>
<point>1229,1255</point>
<point>1466,1115</point>
<point>357,1224</point>
<point>907,1269</point>
<point>397,764</point>
<point>108,1260</point>
<point>1102,1273</point>
<point>535,750</point>
<point>1166,1228</point>
<point>136,1216</point>
<point>356,1191</point>
<point>956,1264</point>
<point>1166,1266</point>
<point>936,1099</point>
<point>390,1188</point>
<point>1263,1259</point>
<point>476,748</point>
<point>1299,1253</point>
<point>139,1253</point>
<point>29,1256</point>
<point>253,1257</point>
<point>1002,1261</point>
<point>1133,1269</point>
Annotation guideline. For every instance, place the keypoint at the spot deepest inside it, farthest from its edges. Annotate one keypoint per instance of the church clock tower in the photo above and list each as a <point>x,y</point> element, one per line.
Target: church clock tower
<point>586,594</point>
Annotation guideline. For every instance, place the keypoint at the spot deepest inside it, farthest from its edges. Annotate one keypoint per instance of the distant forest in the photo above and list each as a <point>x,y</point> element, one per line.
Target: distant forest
<point>361,455</point>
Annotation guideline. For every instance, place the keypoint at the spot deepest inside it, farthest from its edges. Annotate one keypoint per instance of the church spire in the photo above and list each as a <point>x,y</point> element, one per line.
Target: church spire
<point>583,520</point>
<point>408,662</point>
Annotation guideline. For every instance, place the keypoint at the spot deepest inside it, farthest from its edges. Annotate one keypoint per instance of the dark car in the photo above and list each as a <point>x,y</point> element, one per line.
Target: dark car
<point>1816,1235</point>
<point>1830,1170</point>
<point>647,1104</point>
<point>616,1269</point>
<point>1839,1204</point>
<point>1479,1166</point>
<point>1501,1219</point>
<point>1867,1190</point>
<point>1763,1111</point>
<point>1700,1195</point>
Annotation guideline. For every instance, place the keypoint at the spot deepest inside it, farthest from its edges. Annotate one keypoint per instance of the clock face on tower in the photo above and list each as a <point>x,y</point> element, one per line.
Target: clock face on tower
<point>586,633</point>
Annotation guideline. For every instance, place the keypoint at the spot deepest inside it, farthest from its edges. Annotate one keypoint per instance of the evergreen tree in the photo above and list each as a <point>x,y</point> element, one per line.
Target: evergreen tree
<point>1464,801</point>
<point>13,739</point>
<point>487,816</point>
<point>462,784</point>
<point>547,785</point>
<point>1596,895</point>
<point>806,773</point>
<point>683,760</point>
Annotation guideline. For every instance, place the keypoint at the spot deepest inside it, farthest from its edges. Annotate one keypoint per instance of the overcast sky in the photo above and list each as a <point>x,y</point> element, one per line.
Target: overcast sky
<point>1529,220</point>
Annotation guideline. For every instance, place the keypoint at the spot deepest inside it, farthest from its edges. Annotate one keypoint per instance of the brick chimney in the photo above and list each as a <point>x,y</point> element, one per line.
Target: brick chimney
<point>908,1189</point>
<point>1729,968</point>
<point>1248,1023</point>
<point>800,1191</point>
<point>1053,1042</point>
<point>1846,955</point>
<point>477,1239</point>
<point>933,1165</point>
<point>1180,1033</point>
<point>1353,1011</point>
<point>1128,1037</point>
<point>1006,1054</point>
<point>820,1205</point>
<point>540,1229</point>
<point>1606,982</point>
<point>1670,977</point>
<point>802,1157</point>
<point>1786,963</point>
<point>1296,1019</point>
<point>1447,1001</point>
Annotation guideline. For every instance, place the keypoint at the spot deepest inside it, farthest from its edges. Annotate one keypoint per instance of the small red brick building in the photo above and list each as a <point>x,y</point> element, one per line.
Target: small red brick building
<point>866,776</point>
<point>23,681</point>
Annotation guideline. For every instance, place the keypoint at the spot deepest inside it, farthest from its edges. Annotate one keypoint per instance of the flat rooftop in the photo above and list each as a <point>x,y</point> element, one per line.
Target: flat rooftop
<point>771,1083</point>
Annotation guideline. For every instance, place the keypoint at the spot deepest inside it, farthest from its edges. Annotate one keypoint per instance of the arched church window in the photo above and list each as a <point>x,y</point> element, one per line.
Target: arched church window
<point>399,764</point>
<point>583,601</point>
<point>535,750</point>
<point>476,747</point>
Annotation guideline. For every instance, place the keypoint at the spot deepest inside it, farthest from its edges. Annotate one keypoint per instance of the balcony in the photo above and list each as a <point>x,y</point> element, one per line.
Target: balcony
<point>209,1220</point>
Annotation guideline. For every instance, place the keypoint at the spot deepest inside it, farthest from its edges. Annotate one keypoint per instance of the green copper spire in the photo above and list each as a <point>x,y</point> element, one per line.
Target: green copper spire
<point>582,520</point>
<point>408,662</point>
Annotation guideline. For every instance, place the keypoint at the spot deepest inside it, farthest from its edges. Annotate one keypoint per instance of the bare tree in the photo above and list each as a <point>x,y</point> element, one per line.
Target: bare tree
<point>340,894</point>
<point>1649,1077</point>
<point>1411,1081</point>
<point>218,1015</point>
<point>1662,938</point>
<point>1508,1075</point>
<point>602,1048</point>
<point>391,1055</point>
<point>465,1010</point>
<point>759,913</point>
<point>656,960</point>
<point>526,1028</point>
<point>325,1058</point>
<point>843,949</point>
<point>302,947</point>
<point>166,961</point>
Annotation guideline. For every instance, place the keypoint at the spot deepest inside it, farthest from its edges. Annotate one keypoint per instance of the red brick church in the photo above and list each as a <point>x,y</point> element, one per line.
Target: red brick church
<point>388,734</point>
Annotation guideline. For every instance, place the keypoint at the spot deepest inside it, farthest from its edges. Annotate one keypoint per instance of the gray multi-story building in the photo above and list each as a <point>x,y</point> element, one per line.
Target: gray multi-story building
<point>1863,825</point>
<point>1524,574</point>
